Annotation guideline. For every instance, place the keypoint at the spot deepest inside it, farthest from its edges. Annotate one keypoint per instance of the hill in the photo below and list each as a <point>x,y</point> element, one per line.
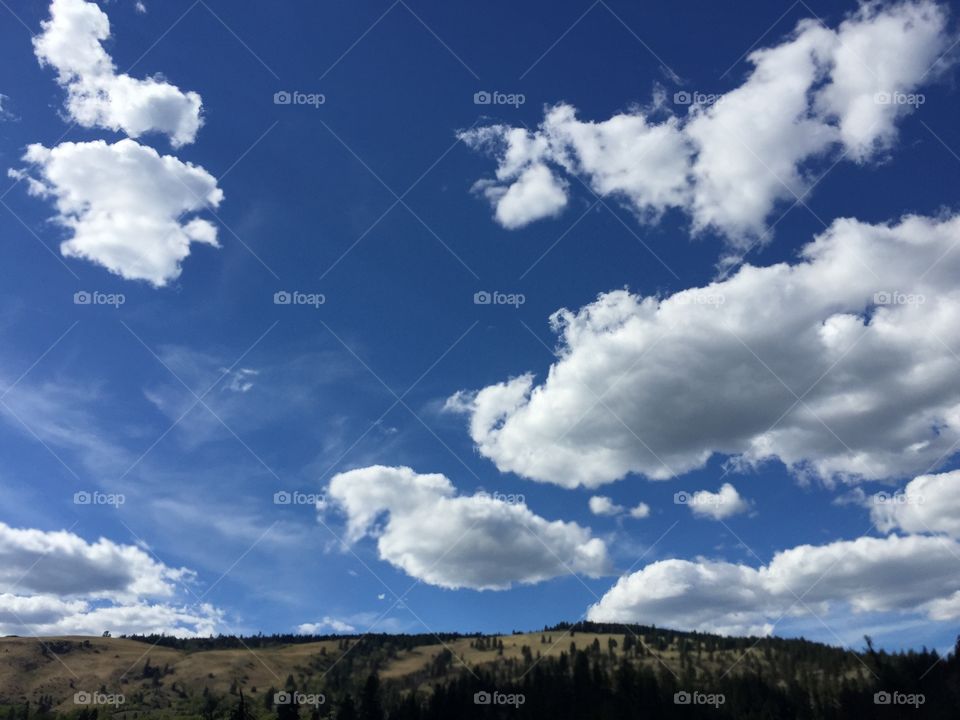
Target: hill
<point>581,671</point>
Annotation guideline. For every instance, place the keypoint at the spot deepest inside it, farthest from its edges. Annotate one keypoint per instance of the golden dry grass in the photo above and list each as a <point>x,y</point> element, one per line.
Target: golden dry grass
<point>73,664</point>
<point>87,664</point>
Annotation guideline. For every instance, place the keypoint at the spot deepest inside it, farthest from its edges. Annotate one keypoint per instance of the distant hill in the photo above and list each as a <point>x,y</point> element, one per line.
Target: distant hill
<point>578,671</point>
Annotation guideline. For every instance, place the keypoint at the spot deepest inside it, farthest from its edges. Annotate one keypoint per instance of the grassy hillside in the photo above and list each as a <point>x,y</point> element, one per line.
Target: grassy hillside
<point>164,677</point>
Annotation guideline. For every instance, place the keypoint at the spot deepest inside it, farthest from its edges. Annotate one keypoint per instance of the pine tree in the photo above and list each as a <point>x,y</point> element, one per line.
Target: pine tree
<point>347,711</point>
<point>370,707</point>
<point>241,711</point>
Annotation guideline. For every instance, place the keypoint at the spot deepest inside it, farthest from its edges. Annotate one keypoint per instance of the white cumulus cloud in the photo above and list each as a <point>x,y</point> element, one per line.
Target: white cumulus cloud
<point>820,94</point>
<point>480,541</point>
<point>327,624</point>
<point>913,574</point>
<point>71,42</point>
<point>126,206</point>
<point>45,616</point>
<point>601,505</point>
<point>840,365</point>
<point>64,564</point>
<point>928,504</point>
<point>536,193</point>
<point>58,583</point>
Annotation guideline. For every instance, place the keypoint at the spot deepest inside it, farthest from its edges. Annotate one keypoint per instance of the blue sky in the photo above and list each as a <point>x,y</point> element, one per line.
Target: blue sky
<point>199,397</point>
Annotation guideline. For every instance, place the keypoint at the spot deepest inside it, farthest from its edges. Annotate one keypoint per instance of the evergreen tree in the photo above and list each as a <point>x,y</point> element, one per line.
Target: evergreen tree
<point>347,711</point>
<point>370,707</point>
<point>240,710</point>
